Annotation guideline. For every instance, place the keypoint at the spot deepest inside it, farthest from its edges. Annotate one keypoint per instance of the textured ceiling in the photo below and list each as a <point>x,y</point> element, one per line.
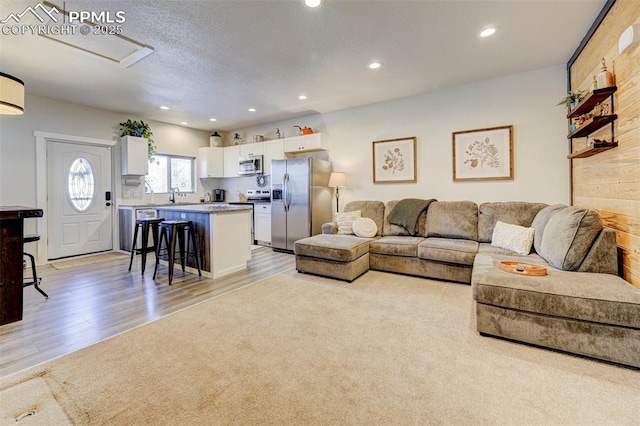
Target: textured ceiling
<point>219,58</point>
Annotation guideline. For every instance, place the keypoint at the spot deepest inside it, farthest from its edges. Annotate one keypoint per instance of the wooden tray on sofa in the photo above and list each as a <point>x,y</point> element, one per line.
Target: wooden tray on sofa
<point>522,268</point>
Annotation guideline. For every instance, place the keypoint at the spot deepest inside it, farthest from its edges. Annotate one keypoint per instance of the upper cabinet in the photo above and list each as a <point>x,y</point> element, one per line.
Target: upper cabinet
<point>273,150</point>
<point>252,149</point>
<point>231,155</point>
<point>312,142</point>
<point>211,162</point>
<point>135,156</point>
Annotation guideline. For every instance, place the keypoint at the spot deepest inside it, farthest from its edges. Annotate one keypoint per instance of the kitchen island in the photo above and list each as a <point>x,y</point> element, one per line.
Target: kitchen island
<point>224,235</point>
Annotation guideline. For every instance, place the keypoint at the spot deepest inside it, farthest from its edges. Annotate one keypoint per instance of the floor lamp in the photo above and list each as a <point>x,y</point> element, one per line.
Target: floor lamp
<point>337,179</point>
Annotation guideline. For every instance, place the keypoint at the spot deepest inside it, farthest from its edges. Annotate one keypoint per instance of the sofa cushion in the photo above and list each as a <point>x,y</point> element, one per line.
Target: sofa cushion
<point>540,222</point>
<point>364,227</point>
<point>345,222</point>
<point>448,250</point>
<point>515,238</point>
<point>344,248</point>
<point>391,229</point>
<point>370,209</point>
<point>568,237</point>
<point>514,212</point>
<point>453,219</point>
<point>396,246</point>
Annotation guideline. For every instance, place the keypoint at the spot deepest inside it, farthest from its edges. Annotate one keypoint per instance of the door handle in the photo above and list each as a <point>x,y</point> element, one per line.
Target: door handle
<point>107,197</point>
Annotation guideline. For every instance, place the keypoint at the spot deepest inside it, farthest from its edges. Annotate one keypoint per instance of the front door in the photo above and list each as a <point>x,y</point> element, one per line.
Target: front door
<point>79,199</point>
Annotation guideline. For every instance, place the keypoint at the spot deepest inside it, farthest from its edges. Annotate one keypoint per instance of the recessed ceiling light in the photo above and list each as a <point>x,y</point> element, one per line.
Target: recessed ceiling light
<point>164,107</point>
<point>312,3</point>
<point>302,97</point>
<point>375,65</point>
<point>213,119</point>
<point>487,32</point>
<point>184,123</point>
<point>251,110</point>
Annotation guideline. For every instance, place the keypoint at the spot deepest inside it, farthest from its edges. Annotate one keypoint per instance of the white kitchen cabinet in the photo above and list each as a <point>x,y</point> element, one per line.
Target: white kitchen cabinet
<point>262,223</point>
<point>273,150</point>
<point>312,142</point>
<point>211,162</point>
<point>251,149</point>
<point>231,155</point>
<point>135,156</point>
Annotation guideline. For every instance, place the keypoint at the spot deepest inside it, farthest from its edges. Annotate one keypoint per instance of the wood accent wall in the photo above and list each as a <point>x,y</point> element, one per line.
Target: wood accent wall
<point>609,182</point>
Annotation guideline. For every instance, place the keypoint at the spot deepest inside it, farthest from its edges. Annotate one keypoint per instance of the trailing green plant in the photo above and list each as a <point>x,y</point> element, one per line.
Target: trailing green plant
<point>572,98</point>
<point>141,130</point>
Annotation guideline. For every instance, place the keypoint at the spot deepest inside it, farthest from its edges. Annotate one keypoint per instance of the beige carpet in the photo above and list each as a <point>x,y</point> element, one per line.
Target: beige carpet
<point>87,260</point>
<point>297,349</point>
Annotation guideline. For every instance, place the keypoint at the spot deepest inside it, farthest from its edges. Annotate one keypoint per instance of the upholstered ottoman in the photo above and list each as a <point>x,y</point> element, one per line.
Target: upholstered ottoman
<point>344,257</point>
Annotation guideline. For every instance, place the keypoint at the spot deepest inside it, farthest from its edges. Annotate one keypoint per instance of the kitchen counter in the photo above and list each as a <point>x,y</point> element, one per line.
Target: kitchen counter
<point>224,234</point>
<point>205,208</point>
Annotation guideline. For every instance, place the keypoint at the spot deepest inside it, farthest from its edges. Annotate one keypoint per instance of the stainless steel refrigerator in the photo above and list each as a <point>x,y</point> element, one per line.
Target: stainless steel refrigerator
<point>300,200</point>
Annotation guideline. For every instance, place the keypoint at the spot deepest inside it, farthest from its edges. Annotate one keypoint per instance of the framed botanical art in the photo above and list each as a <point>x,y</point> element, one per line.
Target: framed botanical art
<point>483,154</point>
<point>394,160</point>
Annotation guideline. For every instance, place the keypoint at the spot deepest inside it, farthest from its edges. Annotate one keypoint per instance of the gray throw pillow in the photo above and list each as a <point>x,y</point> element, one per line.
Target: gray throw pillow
<point>540,222</point>
<point>568,237</point>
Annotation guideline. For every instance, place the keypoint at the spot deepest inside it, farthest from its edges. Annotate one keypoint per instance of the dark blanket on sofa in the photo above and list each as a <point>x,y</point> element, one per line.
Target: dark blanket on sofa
<point>407,211</point>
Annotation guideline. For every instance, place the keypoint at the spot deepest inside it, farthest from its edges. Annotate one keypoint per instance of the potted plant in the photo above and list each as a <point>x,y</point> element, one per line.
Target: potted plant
<point>140,129</point>
<point>572,99</point>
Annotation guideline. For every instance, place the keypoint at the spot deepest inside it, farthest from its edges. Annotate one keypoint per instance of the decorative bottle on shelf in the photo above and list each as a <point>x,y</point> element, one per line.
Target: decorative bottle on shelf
<point>605,78</point>
<point>236,139</point>
<point>278,134</point>
<point>215,140</point>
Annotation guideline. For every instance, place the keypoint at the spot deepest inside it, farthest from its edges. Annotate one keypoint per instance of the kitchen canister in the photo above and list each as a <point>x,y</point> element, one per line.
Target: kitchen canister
<point>215,140</point>
<point>258,138</point>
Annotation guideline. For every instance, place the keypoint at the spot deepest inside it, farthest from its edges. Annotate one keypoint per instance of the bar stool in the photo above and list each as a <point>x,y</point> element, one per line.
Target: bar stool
<point>35,280</point>
<point>172,230</point>
<point>144,224</point>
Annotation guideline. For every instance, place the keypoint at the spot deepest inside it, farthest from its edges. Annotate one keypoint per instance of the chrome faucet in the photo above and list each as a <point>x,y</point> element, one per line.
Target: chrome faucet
<point>174,191</point>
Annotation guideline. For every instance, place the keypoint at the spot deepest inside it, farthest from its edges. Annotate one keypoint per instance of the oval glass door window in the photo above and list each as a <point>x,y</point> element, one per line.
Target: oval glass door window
<point>81,184</point>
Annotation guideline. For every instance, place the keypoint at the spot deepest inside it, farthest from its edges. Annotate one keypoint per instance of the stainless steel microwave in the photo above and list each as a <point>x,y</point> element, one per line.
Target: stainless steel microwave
<point>250,165</point>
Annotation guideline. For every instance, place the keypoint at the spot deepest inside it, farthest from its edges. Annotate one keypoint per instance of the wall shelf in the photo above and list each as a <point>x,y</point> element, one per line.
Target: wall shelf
<point>592,125</point>
<point>593,149</point>
<point>591,100</point>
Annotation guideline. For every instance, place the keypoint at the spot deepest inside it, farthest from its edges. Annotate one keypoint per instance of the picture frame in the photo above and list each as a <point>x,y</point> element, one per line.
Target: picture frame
<point>394,160</point>
<point>483,154</point>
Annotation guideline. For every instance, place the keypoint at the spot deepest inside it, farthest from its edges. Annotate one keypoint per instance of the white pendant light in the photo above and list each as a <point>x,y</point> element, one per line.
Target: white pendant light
<point>11,95</point>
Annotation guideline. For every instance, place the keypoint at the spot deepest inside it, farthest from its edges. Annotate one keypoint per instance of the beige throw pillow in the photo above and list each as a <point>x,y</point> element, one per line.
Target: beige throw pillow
<point>512,237</point>
<point>365,227</point>
<point>345,221</point>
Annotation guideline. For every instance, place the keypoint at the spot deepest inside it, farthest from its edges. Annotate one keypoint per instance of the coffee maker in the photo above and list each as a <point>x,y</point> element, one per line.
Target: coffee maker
<point>218,195</point>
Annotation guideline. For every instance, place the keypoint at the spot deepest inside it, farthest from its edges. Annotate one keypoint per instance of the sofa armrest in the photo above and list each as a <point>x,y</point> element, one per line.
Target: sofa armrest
<point>330,228</point>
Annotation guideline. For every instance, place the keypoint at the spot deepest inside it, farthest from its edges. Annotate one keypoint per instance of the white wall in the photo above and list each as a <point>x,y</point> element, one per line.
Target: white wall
<point>526,101</point>
<point>18,153</point>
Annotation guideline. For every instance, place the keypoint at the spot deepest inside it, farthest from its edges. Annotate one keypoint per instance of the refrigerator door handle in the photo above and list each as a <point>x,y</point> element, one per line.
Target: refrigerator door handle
<point>286,197</point>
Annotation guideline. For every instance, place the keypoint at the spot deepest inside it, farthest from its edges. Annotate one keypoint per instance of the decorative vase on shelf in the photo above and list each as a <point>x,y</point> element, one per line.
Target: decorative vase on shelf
<point>237,140</point>
<point>215,140</point>
<point>605,78</point>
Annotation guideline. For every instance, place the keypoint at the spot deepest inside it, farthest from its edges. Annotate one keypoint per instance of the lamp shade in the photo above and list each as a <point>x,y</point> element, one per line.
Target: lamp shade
<point>11,95</point>
<point>338,179</point>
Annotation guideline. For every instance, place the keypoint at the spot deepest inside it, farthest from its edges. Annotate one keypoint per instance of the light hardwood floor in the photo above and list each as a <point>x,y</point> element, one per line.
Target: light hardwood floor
<point>90,303</point>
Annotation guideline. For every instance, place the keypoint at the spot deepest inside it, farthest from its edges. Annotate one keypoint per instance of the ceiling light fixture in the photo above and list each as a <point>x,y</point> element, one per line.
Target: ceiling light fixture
<point>487,32</point>
<point>184,123</point>
<point>252,110</point>
<point>213,119</point>
<point>313,3</point>
<point>164,107</point>
<point>375,65</point>
<point>302,97</point>
<point>11,95</point>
